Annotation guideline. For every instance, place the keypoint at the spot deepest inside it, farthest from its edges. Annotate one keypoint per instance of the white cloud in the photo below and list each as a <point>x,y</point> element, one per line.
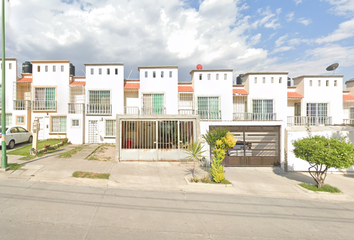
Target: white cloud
<point>297,2</point>
<point>341,7</point>
<point>280,41</point>
<point>305,21</point>
<point>290,16</point>
<point>282,49</point>
<point>344,31</point>
<point>269,19</point>
<point>256,39</point>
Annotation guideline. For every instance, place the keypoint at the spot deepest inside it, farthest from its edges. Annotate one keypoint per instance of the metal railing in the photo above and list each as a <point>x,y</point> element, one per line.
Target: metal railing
<point>209,114</point>
<point>244,116</point>
<point>348,121</point>
<point>186,111</point>
<point>45,105</point>
<point>76,108</point>
<point>153,110</point>
<point>99,109</point>
<point>312,121</point>
<point>22,105</point>
<point>131,110</point>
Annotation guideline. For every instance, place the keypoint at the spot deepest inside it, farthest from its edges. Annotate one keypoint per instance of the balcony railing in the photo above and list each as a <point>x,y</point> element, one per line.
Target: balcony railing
<point>209,114</point>
<point>312,121</point>
<point>131,110</point>
<point>186,111</point>
<point>153,110</point>
<point>244,116</point>
<point>99,109</point>
<point>76,108</point>
<point>22,105</point>
<point>44,105</point>
<point>348,121</point>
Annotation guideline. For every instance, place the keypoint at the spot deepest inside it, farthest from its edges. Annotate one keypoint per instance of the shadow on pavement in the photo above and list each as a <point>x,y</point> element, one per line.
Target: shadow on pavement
<point>297,176</point>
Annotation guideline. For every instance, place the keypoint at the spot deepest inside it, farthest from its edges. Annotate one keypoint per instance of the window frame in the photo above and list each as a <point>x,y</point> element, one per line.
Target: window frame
<point>75,119</point>
<point>114,130</point>
<point>51,124</point>
<point>23,119</point>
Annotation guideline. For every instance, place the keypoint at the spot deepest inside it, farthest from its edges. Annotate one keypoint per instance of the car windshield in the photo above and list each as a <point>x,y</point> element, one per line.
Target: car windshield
<point>1,130</point>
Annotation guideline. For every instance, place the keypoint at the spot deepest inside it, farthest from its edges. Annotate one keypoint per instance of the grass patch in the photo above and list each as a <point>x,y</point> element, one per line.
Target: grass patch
<point>70,153</point>
<point>24,151</point>
<point>92,158</point>
<point>79,174</point>
<point>325,188</point>
<point>207,179</point>
<point>15,166</point>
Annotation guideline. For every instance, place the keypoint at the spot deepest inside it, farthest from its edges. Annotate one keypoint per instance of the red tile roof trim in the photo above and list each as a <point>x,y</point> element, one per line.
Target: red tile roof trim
<point>130,85</point>
<point>185,89</point>
<point>294,95</point>
<point>25,80</point>
<point>347,98</point>
<point>83,83</point>
<point>239,91</point>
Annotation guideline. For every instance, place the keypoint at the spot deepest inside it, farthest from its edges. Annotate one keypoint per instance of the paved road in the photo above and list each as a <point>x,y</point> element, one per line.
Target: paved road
<point>35,210</point>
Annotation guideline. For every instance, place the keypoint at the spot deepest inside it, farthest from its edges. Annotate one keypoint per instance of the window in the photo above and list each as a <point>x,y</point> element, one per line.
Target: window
<point>92,71</point>
<point>108,71</point>
<point>280,79</point>
<point>264,80</point>
<point>310,83</point>
<point>162,72</point>
<point>46,68</point>
<point>116,71</point>
<point>327,83</point>
<point>146,74</point>
<point>110,128</point>
<point>54,68</point>
<point>170,74</point>
<point>8,119</point>
<point>38,68</point>
<point>20,120</point>
<point>209,76</point>
<point>99,97</point>
<point>263,109</point>
<point>153,104</point>
<point>255,80</point>
<point>272,79</point>
<point>44,98</point>
<point>200,77</point>
<point>319,83</point>
<point>154,74</point>
<point>317,113</point>
<point>208,108</point>
<point>62,68</point>
<point>10,65</point>
<point>225,76</point>
<point>75,123</point>
<point>335,83</point>
<point>100,71</point>
<point>58,124</point>
<point>217,76</point>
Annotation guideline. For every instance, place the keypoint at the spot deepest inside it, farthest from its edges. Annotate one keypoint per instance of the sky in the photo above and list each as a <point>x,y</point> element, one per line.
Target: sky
<point>296,36</point>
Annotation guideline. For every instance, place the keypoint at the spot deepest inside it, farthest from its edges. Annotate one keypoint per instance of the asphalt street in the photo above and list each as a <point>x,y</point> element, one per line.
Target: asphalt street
<point>37,210</point>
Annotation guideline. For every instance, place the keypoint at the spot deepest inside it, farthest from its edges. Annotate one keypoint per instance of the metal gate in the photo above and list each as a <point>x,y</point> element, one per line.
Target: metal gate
<point>92,131</point>
<point>255,146</point>
<point>155,140</point>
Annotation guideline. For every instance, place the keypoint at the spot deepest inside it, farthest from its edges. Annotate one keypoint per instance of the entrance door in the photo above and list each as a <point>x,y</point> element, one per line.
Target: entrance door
<point>92,131</point>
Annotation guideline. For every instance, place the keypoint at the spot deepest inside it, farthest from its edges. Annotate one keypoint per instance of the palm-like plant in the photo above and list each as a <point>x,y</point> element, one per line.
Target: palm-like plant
<point>194,152</point>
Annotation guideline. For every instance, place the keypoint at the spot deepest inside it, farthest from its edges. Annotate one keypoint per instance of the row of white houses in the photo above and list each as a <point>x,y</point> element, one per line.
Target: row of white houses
<point>155,117</point>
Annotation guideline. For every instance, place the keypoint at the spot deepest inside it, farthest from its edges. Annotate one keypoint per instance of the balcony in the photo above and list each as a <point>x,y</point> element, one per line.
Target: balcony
<point>44,105</point>
<point>209,114</point>
<point>153,110</point>
<point>76,108</point>
<point>99,109</point>
<point>131,110</point>
<point>311,121</point>
<point>186,111</point>
<point>244,116</point>
<point>22,105</point>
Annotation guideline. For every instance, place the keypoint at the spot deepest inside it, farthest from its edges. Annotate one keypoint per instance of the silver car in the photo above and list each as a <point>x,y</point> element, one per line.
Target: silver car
<point>16,134</point>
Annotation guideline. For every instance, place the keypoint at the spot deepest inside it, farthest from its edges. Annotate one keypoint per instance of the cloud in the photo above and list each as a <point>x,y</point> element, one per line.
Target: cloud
<point>344,31</point>
<point>305,21</point>
<point>269,19</point>
<point>290,16</point>
<point>256,39</point>
<point>297,2</point>
<point>282,49</point>
<point>280,41</point>
<point>341,7</point>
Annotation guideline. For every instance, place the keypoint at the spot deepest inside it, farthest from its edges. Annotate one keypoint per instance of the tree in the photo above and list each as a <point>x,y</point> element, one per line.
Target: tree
<point>194,152</point>
<point>323,153</point>
<point>215,134</point>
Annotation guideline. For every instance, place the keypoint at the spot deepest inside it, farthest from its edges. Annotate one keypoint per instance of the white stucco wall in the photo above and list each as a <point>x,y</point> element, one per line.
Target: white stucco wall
<point>75,134</point>
<point>10,77</point>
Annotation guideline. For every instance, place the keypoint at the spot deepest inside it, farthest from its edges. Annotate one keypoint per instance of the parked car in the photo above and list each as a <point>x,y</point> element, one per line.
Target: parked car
<point>16,134</point>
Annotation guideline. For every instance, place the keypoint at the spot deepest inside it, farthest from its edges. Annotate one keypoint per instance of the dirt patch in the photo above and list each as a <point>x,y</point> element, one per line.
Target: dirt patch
<point>105,152</point>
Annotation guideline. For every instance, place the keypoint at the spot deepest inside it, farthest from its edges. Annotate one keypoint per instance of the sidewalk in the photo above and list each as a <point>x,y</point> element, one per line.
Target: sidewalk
<point>272,182</point>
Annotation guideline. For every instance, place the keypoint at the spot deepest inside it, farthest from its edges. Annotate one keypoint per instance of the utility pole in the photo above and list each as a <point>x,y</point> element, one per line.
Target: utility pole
<point>3,110</point>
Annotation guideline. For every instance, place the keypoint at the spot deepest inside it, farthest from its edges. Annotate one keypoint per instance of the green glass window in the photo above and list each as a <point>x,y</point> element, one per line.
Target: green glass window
<point>58,125</point>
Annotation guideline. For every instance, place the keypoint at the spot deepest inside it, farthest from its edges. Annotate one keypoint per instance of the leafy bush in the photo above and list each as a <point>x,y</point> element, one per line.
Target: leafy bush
<point>215,134</point>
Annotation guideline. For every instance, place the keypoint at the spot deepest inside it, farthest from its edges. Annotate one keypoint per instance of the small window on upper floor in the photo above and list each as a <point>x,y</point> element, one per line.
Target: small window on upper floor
<point>327,83</point>
<point>62,68</point>
<point>116,71</point>
<point>310,83</point>
<point>170,74</point>
<point>46,68</point>
<point>319,83</point>
<point>38,68</point>
<point>209,76</point>
<point>154,74</point>
<point>264,80</point>
<point>100,71</point>
<point>225,76</point>
<point>54,68</point>
<point>280,79</point>
<point>255,80</point>
<point>200,76</point>
<point>92,71</point>
<point>217,76</point>
<point>10,65</point>
<point>272,79</point>
<point>335,83</point>
<point>162,73</point>
<point>108,71</point>
<point>146,74</point>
